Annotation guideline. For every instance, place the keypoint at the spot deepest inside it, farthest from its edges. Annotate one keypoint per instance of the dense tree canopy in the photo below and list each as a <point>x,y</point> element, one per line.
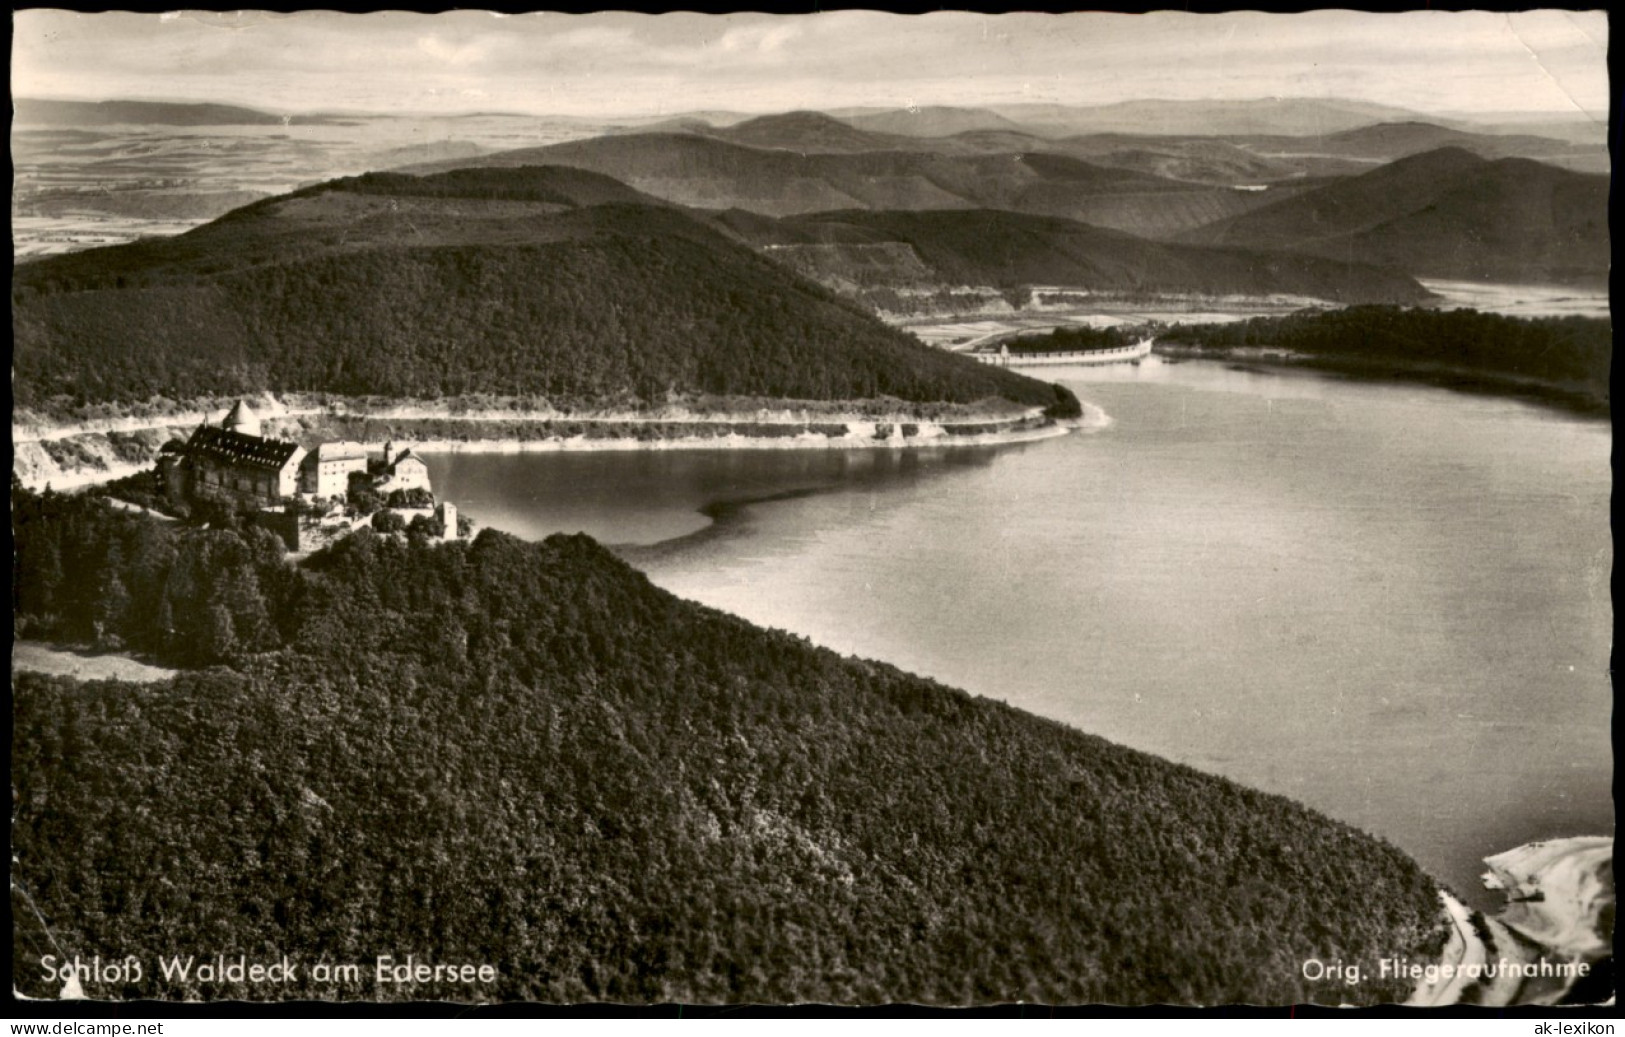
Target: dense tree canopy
<point>1074,338</point>
<point>1569,354</point>
<point>466,283</point>
<point>527,755</point>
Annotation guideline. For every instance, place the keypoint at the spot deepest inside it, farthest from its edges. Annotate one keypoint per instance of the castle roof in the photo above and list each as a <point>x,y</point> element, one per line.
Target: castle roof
<point>238,449</point>
<point>340,450</point>
<point>243,419</point>
<point>407,455</point>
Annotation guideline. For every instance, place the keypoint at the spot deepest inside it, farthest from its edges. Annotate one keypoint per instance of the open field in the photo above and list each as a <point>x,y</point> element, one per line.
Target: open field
<point>38,657</point>
<point>77,188</point>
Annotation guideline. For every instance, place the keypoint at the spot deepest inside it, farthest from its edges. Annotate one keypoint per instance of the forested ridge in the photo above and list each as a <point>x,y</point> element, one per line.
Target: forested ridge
<point>1568,354</point>
<point>1075,338</point>
<point>549,282</point>
<point>1012,250</point>
<point>529,756</point>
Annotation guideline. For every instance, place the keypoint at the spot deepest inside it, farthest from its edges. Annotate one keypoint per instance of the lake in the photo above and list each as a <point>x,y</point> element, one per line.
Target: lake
<point>1389,602</point>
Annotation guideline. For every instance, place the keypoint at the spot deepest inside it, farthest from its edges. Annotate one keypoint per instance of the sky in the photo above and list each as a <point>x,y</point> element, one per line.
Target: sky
<point>621,64</point>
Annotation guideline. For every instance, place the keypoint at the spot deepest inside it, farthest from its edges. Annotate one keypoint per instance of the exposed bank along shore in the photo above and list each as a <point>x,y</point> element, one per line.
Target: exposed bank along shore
<point>73,455</point>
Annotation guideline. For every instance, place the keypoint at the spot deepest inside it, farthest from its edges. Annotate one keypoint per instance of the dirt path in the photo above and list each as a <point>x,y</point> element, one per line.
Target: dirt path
<point>1461,949</point>
<point>124,505</point>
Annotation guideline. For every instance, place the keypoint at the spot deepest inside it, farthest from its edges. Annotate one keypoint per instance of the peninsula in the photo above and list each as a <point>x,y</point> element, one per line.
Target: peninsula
<point>528,756</point>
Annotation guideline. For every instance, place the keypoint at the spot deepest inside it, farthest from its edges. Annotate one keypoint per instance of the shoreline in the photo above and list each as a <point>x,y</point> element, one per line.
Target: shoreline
<point>30,426</point>
<point>95,460</point>
<point>1574,399</point>
<point>731,441</point>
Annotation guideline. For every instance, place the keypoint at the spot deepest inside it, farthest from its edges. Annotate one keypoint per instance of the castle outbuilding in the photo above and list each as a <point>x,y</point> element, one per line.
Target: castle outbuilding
<point>328,468</point>
<point>403,471</point>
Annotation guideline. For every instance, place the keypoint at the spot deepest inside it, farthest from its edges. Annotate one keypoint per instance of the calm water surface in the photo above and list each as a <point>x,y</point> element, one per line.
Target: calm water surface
<point>1388,602</point>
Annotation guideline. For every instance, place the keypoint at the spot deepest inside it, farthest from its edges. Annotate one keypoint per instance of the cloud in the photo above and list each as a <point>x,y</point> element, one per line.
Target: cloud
<point>451,53</point>
<point>754,62</point>
<point>761,39</point>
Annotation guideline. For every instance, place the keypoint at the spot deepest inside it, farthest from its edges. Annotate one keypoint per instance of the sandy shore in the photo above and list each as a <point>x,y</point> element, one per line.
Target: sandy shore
<point>1557,892</point>
<point>855,440</point>
<point>95,461</point>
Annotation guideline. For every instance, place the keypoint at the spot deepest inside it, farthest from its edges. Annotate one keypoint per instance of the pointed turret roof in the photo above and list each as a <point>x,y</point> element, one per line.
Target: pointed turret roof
<point>242,419</point>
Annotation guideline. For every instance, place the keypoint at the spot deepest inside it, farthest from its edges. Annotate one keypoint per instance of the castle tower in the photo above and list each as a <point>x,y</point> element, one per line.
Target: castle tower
<point>242,419</point>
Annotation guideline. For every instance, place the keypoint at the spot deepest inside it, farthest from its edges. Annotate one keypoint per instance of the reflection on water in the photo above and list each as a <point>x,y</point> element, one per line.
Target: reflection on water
<point>657,499</point>
<point>1389,602</point>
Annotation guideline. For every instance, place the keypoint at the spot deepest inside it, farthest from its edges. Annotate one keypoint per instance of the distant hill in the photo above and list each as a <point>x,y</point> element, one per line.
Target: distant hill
<point>927,121</point>
<point>812,132</point>
<point>1575,127</point>
<point>1291,116</point>
<point>1386,142</point>
<point>424,151</point>
<point>1399,139</point>
<point>553,282</point>
<point>1444,213</point>
<point>1013,250</point>
<point>1561,359</point>
<point>707,172</point>
<point>1207,160</point>
<point>1192,158</point>
<point>104,113</point>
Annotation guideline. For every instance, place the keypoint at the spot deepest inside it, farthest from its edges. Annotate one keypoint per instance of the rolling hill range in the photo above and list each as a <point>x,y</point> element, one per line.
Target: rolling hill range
<point>1444,213</point>
<point>1198,160</point>
<point>1284,161</point>
<point>533,281</point>
<point>1221,160</point>
<point>1293,116</point>
<point>706,172</point>
<point>1207,157</point>
<point>1191,160</point>
<point>857,250</point>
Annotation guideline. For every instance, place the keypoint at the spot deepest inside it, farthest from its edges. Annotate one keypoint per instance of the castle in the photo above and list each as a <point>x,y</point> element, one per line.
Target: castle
<point>236,462</point>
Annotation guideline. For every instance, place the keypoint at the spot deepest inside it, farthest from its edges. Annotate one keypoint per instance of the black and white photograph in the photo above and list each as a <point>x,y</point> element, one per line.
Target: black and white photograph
<point>846,508</point>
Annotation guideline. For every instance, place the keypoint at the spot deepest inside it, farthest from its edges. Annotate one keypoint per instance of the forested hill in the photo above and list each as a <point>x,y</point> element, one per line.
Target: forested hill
<point>1444,213</point>
<point>708,172</point>
<point>527,755</point>
<point>1566,357</point>
<point>555,282</point>
<point>1010,250</point>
